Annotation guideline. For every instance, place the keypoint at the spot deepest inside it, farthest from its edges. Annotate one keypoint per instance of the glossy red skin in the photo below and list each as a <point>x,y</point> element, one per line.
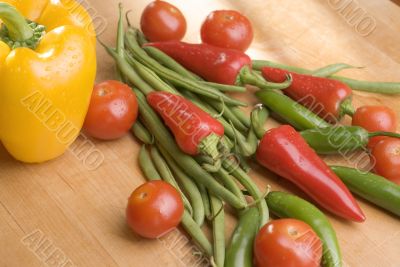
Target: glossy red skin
<point>284,151</point>
<point>112,111</point>
<point>287,243</point>
<point>154,209</point>
<point>386,155</point>
<point>323,96</point>
<point>214,64</point>
<point>374,119</point>
<point>189,124</point>
<point>162,21</point>
<point>227,29</point>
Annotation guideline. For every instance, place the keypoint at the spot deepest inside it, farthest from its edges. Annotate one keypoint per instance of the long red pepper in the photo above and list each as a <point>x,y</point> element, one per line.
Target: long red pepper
<point>195,131</point>
<point>215,64</point>
<point>330,99</point>
<point>283,151</point>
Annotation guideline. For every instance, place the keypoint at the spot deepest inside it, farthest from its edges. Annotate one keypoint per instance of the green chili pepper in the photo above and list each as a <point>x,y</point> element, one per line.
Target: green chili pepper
<point>218,225</point>
<point>371,187</point>
<point>142,134</point>
<point>291,111</point>
<point>340,139</point>
<point>188,186</point>
<point>173,77</point>
<point>286,205</point>
<point>163,136</point>
<point>240,250</point>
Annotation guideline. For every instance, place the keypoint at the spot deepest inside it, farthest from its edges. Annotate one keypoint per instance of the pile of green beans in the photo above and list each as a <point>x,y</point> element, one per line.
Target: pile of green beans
<point>204,193</point>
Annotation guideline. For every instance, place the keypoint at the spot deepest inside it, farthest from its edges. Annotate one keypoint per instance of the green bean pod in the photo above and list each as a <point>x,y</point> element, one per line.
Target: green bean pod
<point>297,115</point>
<point>286,205</point>
<point>371,187</point>
<point>188,186</point>
<point>194,230</point>
<point>142,134</point>
<point>147,166</point>
<point>240,250</point>
<point>218,229</point>
<point>332,69</point>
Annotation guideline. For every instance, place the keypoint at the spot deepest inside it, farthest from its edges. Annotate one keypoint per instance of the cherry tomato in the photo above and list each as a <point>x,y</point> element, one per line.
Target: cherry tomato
<point>162,21</point>
<point>227,29</point>
<point>112,111</point>
<point>154,209</point>
<point>386,155</point>
<point>287,243</point>
<point>374,119</point>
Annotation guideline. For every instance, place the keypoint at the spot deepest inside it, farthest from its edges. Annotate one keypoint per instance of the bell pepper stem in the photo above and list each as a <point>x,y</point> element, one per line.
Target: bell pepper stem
<point>346,108</point>
<point>17,26</point>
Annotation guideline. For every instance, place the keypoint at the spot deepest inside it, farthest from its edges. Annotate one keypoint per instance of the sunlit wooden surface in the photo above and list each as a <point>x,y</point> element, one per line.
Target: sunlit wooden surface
<point>62,214</point>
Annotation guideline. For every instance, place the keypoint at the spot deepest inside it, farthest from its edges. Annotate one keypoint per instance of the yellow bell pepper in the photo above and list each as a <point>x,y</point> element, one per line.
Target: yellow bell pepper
<point>47,72</point>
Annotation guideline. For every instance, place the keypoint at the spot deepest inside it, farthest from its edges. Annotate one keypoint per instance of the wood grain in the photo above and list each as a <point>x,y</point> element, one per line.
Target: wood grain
<point>62,209</point>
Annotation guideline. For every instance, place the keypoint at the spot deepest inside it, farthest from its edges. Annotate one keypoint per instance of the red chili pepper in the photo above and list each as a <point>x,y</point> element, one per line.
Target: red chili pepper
<point>283,151</point>
<point>215,64</point>
<point>195,131</point>
<point>330,99</point>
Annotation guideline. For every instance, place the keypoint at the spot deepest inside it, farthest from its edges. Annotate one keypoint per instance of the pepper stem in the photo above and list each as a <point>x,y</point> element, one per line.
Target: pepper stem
<point>346,107</point>
<point>209,146</point>
<point>18,27</point>
<point>381,133</point>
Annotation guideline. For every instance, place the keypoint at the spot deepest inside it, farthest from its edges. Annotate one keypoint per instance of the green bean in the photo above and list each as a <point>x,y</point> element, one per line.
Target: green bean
<point>194,230</point>
<point>228,115</point>
<point>147,166</point>
<point>188,186</point>
<point>141,38</point>
<point>290,206</point>
<point>246,147</point>
<point>243,118</point>
<point>206,200</point>
<point>225,87</point>
<point>247,76</point>
<point>259,64</point>
<point>149,76</point>
<point>176,79</point>
<point>251,187</point>
<point>239,253</point>
<point>142,134</point>
<point>128,72</point>
<point>120,41</point>
<point>259,117</point>
<point>167,175</point>
<point>229,182</point>
<point>163,136</point>
<point>332,69</point>
<point>169,62</point>
<point>371,187</point>
<point>218,229</point>
<point>389,88</point>
<point>291,111</point>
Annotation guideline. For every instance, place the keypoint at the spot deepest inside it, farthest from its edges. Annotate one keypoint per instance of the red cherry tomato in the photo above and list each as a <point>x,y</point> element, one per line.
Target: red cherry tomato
<point>227,29</point>
<point>287,243</point>
<point>162,21</point>
<point>374,119</point>
<point>154,209</point>
<point>386,154</point>
<point>112,112</point>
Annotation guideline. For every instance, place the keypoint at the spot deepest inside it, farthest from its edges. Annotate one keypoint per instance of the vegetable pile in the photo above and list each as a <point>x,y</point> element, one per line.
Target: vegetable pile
<point>197,142</point>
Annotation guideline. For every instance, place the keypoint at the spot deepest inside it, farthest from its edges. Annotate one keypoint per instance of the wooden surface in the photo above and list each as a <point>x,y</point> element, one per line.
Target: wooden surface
<point>62,214</point>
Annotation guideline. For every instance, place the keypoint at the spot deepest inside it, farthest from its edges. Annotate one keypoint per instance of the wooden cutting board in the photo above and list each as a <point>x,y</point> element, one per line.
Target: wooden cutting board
<point>62,213</point>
